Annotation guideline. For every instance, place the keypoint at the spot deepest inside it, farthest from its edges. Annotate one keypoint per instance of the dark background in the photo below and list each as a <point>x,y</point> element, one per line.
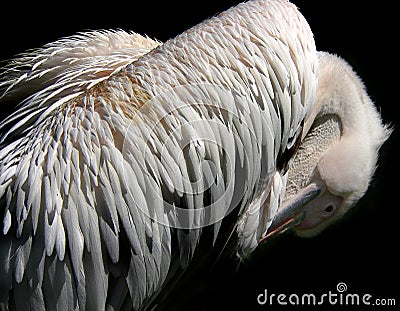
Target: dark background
<point>363,249</point>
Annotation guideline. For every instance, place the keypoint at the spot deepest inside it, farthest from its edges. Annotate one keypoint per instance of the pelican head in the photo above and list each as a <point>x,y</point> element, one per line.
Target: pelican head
<point>337,156</point>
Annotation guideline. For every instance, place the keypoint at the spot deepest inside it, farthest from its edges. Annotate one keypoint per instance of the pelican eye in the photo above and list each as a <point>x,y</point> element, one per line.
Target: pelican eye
<point>329,209</point>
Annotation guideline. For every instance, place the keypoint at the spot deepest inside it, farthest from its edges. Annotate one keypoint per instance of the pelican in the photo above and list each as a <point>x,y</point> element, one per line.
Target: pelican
<point>126,160</point>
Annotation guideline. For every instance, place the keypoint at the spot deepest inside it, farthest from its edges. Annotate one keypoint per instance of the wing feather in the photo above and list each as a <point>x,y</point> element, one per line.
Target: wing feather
<point>117,156</point>
<point>48,182</point>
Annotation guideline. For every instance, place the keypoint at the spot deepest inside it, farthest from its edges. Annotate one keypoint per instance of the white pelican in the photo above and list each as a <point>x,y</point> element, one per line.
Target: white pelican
<point>126,158</point>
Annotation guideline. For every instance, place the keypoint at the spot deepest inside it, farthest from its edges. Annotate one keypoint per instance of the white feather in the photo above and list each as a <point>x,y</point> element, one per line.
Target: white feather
<point>112,140</point>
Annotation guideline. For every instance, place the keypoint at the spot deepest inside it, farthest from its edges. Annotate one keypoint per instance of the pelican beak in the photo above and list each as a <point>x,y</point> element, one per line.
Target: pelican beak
<point>292,212</point>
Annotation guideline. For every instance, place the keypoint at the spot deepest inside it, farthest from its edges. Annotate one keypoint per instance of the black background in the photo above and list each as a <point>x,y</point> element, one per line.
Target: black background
<point>363,249</point>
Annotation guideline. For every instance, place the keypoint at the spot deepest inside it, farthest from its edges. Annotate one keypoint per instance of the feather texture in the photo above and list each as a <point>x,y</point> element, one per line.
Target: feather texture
<point>122,150</point>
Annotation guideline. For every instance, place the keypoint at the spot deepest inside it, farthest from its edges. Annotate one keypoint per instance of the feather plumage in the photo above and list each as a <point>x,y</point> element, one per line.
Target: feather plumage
<point>121,143</point>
